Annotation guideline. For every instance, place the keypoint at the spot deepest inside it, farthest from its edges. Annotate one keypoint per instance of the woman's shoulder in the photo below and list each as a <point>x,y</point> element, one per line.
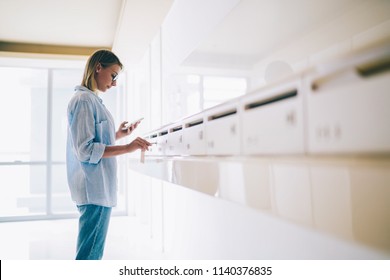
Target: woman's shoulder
<point>84,94</point>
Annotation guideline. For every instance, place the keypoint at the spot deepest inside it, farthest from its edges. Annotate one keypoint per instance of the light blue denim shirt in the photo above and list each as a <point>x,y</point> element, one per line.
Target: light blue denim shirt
<point>91,178</point>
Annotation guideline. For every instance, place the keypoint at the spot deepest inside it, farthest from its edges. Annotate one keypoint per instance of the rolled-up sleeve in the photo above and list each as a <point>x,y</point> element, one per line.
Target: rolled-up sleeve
<point>83,133</point>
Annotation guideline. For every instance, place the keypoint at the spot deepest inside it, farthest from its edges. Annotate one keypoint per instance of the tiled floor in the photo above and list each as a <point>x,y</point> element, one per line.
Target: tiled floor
<point>56,240</point>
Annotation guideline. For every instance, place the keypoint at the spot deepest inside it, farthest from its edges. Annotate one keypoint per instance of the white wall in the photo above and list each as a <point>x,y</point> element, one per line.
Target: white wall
<point>183,223</point>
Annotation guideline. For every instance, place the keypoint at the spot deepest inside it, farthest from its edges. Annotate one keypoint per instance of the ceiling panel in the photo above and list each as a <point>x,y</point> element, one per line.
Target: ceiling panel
<point>57,22</point>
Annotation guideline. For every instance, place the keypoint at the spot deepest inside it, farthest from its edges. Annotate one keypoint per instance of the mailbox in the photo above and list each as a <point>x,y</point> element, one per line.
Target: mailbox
<point>273,120</point>
<point>152,138</point>
<point>223,130</point>
<point>174,143</point>
<point>348,105</point>
<point>194,138</point>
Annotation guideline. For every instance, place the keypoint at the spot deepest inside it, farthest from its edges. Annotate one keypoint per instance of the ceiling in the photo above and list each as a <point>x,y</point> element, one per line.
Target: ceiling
<point>77,26</point>
<point>268,25</point>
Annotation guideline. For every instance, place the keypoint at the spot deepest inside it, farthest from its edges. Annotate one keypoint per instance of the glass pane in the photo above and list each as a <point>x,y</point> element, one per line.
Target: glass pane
<point>182,96</point>
<point>23,114</point>
<point>220,89</point>
<point>193,102</point>
<point>64,82</point>
<point>23,190</point>
<point>61,200</point>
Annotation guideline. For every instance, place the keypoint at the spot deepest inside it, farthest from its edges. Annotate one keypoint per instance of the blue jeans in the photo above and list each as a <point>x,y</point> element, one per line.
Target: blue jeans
<point>93,226</point>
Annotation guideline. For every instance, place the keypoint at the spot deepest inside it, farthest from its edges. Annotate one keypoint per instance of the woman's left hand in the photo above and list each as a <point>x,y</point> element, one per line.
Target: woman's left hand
<point>124,130</point>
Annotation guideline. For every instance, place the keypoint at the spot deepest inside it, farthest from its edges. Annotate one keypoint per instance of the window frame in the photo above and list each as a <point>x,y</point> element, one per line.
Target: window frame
<point>52,65</point>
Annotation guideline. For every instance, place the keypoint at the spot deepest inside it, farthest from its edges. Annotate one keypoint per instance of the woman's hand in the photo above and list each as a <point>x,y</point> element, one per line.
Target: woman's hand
<point>124,130</point>
<point>138,143</point>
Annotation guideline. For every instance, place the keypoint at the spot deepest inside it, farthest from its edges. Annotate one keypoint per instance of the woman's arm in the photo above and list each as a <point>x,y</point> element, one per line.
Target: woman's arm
<point>139,143</point>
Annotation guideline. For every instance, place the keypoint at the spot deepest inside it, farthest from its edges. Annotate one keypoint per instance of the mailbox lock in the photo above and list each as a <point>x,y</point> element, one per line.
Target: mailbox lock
<point>233,129</point>
<point>291,118</point>
<point>337,131</point>
<point>252,140</point>
<point>323,132</point>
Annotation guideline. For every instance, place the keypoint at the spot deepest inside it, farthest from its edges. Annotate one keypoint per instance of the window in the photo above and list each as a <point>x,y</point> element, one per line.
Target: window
<point>188,94</point>
<point>33,139</point>
<point>219,89</point>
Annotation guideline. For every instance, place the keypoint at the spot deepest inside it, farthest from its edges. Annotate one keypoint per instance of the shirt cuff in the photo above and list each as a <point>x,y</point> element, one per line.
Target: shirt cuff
<point>97,153</point>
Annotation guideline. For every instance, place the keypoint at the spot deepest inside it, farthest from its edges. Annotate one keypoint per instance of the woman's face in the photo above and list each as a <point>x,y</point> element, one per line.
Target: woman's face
<point>106,76</point>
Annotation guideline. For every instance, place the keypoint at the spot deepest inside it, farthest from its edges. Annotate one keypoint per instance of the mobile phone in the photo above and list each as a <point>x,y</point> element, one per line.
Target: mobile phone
<point>132,123</point>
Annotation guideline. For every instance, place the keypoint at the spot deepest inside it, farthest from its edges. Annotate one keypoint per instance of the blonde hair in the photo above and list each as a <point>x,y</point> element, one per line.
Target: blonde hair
<point>106,58</point>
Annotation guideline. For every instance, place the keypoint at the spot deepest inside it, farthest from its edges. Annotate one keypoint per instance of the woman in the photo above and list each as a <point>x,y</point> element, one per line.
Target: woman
<point>91,149</point>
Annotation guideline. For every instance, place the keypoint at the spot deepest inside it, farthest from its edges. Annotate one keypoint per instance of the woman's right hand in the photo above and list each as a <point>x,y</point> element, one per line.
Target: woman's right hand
<point>138,143</point>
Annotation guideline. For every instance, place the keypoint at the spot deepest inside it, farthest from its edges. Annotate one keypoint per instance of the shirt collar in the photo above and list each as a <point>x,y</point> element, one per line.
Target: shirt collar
<point>87,90</point>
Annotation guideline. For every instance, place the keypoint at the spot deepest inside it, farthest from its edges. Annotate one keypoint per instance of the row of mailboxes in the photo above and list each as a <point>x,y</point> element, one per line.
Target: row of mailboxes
<point>342,108</point>
<point>266,122</point>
